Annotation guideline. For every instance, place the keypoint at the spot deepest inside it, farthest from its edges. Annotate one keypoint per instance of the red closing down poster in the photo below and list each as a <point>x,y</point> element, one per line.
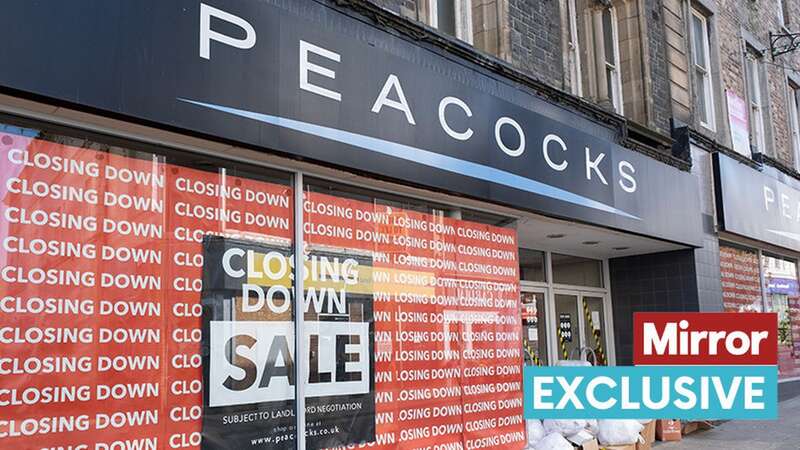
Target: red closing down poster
<point>111,341</point>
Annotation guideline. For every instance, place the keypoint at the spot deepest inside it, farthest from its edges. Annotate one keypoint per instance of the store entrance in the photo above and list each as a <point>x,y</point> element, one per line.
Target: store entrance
<point>565,282</point>
<point>580,326</point>
<point>564,324</point>
<point>566,309</point>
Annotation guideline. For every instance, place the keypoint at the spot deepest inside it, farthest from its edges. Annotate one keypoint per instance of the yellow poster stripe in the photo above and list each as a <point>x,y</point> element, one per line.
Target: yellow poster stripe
<point>596,334</point>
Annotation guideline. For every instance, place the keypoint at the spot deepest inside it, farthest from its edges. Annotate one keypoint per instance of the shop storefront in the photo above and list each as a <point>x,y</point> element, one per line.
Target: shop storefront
<point>452,227</point>
<point>759,248</point>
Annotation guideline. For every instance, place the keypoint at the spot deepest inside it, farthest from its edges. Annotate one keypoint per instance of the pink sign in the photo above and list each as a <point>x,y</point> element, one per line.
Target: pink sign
<point>737,118</point>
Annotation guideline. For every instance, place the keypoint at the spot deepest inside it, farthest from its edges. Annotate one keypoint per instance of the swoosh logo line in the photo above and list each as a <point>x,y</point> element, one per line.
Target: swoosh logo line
<point>421,156</point>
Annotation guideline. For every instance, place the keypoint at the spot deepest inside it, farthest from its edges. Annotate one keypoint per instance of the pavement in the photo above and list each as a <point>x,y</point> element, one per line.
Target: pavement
<point>781,434</point>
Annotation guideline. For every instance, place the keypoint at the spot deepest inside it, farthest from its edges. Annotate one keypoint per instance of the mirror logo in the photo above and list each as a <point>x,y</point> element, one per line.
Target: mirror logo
<point>688,365</point>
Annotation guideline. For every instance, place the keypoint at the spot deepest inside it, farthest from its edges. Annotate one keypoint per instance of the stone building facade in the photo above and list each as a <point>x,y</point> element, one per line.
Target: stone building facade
<point>680,80</point>
<point>734,90</point>
<point>568,164</point>
<point>538,38</point>
<point>552,41</point>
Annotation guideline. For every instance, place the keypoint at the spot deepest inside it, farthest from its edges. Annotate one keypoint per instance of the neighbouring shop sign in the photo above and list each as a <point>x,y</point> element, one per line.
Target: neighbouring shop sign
<point>785,286</point>
<point>307,80</point>
<point>762,205</point>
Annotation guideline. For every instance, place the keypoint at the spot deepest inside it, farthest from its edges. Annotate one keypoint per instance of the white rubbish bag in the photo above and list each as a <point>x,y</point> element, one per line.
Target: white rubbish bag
<point>535,431</point>
<point>553,441</point>
<point>578,357</point>
<point>563,427</point>
<point>619,432</point>
<point>573,363</point>
<point>592,426</point>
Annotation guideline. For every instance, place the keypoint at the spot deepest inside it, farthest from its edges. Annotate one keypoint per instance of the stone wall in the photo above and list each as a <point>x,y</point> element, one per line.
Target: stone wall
<point>535,30</point>
<point>741,21</point>
<point>531,35</point>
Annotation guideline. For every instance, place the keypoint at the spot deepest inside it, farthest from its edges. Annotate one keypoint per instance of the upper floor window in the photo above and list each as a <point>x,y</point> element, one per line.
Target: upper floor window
<point>702,70</point>
<point>613,67</point>
<point>756,100</point>
<point>453,17</point>
<point>783,13</point>
<point>574,50</point>
<point>611,58</point>
<point>608,57</point>
<point>794,121</point>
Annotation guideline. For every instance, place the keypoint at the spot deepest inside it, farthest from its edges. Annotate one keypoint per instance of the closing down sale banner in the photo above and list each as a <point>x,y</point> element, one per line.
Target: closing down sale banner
<point>248,340</point>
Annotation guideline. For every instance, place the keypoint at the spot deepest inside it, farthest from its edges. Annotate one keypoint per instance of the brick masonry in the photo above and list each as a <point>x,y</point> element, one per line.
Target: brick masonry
<point>737,19</point>
<point>659,72</point>
<point>534,36</point>
<point>535,30</point>
<point>529,35</point>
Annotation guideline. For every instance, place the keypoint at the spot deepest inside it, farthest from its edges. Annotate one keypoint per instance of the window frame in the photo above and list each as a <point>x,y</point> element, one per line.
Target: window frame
<point>793,97</point>
<point>755,101</point>
<point>709,121</point>
<point>463,18</point>
<point>574,50</point>
<point>782,14</point>
<point>551,289</point>
<point>606,65</point>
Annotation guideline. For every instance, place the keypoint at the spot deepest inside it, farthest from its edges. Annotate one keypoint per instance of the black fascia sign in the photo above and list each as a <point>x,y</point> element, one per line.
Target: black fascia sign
<point>307,80</point>
<point>762,205</point>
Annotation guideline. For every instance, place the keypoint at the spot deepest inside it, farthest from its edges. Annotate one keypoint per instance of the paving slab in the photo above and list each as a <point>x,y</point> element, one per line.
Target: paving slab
<point>781,434</point>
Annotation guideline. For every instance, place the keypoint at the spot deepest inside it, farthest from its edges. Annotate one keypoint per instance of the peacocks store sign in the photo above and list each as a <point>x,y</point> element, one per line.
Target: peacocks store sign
<point>309,81</point>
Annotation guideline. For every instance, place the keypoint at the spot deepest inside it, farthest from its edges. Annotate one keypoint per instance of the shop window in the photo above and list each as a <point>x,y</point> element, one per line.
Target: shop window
<point>783,298</point>
<point>577,271</point>
<point>118,249</point>
<point>740,274</point>
<point>794,120</point>
<point>757,100</point>
<point>531,265</point>
<point>702,70</point>
<point>431,291</point>
<point>187,262</point>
